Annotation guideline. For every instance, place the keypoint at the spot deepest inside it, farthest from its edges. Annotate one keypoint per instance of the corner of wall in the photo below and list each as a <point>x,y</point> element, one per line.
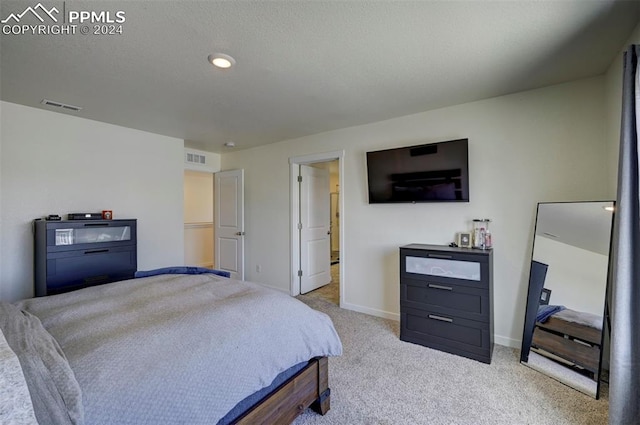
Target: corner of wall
<point>613,105</point>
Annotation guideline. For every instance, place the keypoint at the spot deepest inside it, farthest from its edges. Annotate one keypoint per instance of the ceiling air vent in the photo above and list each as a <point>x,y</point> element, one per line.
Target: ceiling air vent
<point>195,158</point>
<point>61,105</point>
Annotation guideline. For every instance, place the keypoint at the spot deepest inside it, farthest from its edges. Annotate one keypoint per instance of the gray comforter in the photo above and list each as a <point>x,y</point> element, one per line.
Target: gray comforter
<point>178,349</point>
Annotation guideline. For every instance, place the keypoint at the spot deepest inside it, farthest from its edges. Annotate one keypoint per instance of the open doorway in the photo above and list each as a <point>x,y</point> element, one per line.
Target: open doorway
<point>331,291</point>
<point>306,262</point>
<point>198,219</point>
<point>214,220</point>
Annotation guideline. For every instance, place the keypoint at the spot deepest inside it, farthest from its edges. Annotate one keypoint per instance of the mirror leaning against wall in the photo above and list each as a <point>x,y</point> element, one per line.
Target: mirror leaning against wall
<point>565,325</point>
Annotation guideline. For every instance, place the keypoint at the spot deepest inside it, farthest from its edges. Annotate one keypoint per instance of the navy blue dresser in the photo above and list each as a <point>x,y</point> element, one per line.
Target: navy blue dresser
<point>446,299</point>
<point>74,254</point>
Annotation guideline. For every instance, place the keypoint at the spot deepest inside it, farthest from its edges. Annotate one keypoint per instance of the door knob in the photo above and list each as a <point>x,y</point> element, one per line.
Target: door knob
<point>239,233</point>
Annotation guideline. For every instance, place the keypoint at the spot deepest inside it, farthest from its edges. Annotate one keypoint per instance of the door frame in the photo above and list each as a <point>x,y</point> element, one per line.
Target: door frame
<point>294,212</point>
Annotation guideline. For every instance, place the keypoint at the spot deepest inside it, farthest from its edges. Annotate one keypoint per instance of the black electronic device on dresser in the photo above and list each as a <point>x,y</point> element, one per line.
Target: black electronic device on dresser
<point>446,299</point>
<point>73,254</point>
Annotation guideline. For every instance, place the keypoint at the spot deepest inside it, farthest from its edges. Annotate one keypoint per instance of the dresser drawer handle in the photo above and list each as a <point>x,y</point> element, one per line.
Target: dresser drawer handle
<point>448,257</point>
<point>96,251</point>
<point>442,319</point>
<point>434,286</point>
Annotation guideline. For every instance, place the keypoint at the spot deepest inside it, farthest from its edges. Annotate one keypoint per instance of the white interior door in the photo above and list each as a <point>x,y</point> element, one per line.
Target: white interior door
<point>229,221</point>
<point>315,217</point>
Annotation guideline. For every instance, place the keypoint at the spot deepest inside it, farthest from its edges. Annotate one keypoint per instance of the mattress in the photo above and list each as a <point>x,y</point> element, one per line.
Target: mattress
<point>179,349</point>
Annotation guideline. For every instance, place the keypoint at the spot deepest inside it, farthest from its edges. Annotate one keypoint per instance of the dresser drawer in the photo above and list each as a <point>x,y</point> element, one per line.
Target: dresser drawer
<point>465,269</point>
<point>452,334</point>
<point>86,234</point>
<point>448,299</point>
<point>70,270</point>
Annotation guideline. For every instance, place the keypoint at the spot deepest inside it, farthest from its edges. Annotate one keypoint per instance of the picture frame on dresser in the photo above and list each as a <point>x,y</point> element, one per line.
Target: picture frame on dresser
<point>446,299</point>
<point>464,239</point>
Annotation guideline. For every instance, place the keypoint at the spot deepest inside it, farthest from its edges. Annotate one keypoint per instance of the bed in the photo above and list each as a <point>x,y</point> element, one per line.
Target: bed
<point>570,336</point>
<point>173,349</point>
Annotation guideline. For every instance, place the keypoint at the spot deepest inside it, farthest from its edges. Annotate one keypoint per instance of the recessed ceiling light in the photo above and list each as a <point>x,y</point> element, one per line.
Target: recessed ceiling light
<point>221,60</point>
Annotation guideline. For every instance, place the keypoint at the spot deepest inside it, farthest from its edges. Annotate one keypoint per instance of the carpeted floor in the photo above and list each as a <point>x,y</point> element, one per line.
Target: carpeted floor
<point>382,380</point>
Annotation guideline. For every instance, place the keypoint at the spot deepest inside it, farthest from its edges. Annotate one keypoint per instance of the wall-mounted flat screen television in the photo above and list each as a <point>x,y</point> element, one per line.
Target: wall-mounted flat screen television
<point>434,172</point>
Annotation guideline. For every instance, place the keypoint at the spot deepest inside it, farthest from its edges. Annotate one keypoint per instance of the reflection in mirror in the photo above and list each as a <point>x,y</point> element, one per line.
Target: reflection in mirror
<point>563,331</point>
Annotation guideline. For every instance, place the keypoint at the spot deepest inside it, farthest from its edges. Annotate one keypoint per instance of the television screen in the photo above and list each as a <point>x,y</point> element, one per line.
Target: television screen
<point>435,172</point>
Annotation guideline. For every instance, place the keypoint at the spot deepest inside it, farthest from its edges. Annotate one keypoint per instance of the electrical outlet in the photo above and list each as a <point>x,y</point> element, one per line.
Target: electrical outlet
<point>258,268</point>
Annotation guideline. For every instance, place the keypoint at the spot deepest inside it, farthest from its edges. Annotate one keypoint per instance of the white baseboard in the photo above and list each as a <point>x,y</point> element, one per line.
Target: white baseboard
<point>370,311</point>
<point>507,342</point>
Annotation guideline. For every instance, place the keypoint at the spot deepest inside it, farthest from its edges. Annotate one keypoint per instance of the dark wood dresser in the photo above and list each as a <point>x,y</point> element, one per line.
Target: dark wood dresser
<point>446,299</point>
<point>74,254</point>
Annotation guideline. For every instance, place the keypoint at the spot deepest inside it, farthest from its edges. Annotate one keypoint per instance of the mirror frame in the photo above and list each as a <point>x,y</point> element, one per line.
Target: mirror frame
<point>532,304</point>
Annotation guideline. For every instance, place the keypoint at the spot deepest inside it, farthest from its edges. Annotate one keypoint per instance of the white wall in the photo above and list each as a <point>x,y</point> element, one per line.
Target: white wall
<point>542,145</point>
<point>56,164</point>
<point>576,277</point>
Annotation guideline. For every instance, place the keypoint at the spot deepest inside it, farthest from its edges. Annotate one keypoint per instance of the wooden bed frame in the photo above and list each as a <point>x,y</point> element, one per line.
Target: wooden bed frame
<point>307,388</point>
<point>576,343</point>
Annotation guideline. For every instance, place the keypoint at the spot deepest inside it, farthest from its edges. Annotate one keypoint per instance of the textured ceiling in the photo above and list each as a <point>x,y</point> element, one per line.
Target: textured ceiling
<point>305,67</point>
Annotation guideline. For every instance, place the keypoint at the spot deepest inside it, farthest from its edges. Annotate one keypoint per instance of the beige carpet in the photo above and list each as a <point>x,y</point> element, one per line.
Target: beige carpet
<point>382,380</point>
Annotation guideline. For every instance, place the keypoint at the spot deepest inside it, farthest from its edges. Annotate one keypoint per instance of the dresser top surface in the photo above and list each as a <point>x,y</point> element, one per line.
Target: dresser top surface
<point>85,221</point>
<point>450,249</point>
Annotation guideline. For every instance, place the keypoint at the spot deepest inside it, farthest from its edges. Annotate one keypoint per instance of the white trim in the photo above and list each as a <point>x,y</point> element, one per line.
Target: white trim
<point>370,311</point>
<point>204,225</point>
<point>277,288</point>
<point>507,342</point>
<point>317,157</point>
<point>206,265</point>
<point>294,284</point>
<point>294,287</point>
